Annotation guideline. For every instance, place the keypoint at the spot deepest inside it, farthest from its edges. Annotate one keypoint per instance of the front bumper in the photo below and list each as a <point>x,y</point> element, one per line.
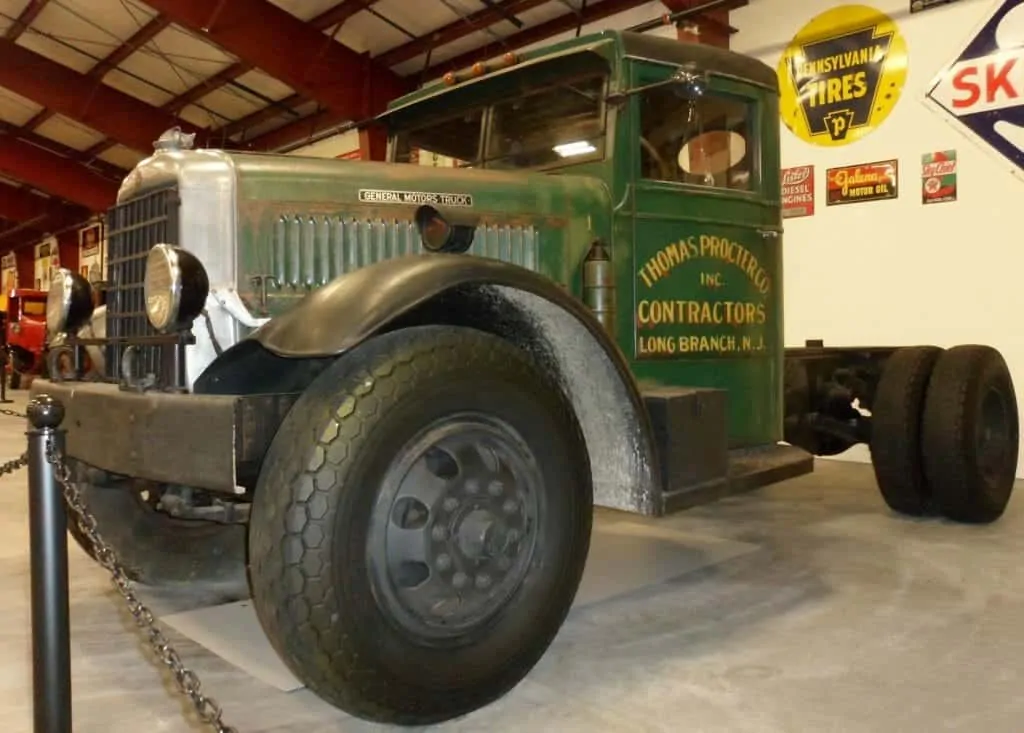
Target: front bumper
<point>213,442</point>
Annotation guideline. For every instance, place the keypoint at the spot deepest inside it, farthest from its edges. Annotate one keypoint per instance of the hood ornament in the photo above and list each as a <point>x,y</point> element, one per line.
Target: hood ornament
<point>175,139</point>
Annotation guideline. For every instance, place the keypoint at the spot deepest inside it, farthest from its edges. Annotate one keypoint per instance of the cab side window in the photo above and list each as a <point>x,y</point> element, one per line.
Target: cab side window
<point>707,141</point>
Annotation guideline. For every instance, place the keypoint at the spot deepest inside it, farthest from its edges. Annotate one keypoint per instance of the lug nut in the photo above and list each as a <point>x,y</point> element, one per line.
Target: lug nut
<point>459,580</point>
<point>483,581</point>
<point>495,488</point>
<point>472,486</point>
<point>443,562</point>
<point>439,533</point>
<point>510,506</point>
<point>451,504</point>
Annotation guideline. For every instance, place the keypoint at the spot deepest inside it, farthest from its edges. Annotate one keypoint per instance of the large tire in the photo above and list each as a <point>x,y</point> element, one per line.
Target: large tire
<point>971,434</point>
<point>157,549</point>
<point>896,429</point>
<point>325,586</point>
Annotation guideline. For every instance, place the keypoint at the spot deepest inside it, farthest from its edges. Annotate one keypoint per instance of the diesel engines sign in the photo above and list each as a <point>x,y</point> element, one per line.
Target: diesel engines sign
<point>842,75</point>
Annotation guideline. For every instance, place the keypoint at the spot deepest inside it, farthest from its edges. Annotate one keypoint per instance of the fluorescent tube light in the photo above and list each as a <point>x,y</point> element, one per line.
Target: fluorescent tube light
<point>570,150</point>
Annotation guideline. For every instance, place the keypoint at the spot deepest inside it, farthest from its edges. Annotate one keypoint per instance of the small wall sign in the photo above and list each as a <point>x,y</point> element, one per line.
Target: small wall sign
<point>852,184</point>
<point>798,191</point>
<point>938,177</point>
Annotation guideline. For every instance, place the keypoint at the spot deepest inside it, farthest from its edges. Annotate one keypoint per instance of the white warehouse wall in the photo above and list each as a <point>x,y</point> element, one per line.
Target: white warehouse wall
<point>899,272</point>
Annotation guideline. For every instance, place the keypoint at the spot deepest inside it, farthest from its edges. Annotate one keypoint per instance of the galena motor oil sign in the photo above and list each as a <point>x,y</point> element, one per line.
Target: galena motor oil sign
<point>842,75</point>
<point>982,89</point>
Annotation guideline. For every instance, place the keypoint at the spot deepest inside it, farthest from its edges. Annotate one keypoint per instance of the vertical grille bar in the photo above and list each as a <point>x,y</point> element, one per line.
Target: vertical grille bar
<point>133,228</point>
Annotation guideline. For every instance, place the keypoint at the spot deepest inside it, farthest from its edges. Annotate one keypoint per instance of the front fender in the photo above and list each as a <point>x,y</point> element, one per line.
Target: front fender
<point>344,313</point>
<point>527,309</point>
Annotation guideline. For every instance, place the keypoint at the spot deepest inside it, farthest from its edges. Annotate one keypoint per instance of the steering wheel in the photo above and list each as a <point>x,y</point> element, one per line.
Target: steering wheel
<point>665,168</point>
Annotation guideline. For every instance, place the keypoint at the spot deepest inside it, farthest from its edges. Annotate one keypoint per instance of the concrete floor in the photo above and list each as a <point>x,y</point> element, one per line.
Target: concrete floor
<point>841,617</point>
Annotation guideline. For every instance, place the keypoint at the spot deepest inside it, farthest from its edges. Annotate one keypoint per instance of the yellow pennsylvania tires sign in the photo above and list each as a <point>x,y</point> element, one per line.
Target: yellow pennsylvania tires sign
<point>842,75</point>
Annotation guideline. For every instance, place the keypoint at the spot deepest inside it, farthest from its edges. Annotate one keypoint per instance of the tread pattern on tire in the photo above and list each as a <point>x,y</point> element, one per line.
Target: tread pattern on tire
<point>960,492</point>
<point>290,578</point>
<point>896,419</point>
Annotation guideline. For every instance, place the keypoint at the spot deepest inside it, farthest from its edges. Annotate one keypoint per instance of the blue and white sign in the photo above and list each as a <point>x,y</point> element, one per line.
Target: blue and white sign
<point>983,88</point>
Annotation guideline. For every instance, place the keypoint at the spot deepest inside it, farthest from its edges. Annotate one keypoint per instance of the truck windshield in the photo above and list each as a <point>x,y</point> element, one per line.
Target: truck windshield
<point>561,123</point>
<point>33,307</point>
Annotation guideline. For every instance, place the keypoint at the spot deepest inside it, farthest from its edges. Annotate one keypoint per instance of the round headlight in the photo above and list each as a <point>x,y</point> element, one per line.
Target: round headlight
<point>176,286</point>
<point>68,302</point>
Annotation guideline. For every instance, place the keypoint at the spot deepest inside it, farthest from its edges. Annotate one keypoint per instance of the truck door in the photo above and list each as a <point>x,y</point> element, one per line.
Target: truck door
<point>707,257</point>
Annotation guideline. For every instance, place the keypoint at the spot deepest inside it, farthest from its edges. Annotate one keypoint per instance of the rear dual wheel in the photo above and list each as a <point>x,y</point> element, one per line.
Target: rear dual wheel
<point>421,524</point>
<point>945,433</point>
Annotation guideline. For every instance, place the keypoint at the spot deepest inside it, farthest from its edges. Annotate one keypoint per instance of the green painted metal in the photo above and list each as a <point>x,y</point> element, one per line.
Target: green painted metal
<point>697,271</point>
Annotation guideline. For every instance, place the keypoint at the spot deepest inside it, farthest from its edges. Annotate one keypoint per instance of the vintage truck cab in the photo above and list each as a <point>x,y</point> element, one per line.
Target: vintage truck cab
<point>383,397</point>
<point>25,334</point>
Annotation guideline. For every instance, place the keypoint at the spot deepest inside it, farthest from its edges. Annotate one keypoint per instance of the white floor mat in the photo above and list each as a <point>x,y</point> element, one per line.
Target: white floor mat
<point>625,557</point>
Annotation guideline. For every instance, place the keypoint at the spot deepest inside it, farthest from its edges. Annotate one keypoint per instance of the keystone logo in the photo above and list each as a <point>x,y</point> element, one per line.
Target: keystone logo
<point>841,75</point>
<point>837,82</point>
<point>982,89</point>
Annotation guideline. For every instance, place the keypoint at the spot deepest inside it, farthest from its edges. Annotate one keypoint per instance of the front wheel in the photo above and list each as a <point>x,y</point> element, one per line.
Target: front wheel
<point>421,525</point>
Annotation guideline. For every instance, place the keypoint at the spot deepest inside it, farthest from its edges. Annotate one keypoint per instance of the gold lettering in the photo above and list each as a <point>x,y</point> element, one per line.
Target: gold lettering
<point>700,313</point>
<point>656,345</point>
<point>846,60</point>
<point>708,247</point>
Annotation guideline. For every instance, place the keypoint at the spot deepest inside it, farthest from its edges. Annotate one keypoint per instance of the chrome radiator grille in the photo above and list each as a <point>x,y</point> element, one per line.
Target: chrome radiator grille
<point>133,227</point>
<point>309,251</point>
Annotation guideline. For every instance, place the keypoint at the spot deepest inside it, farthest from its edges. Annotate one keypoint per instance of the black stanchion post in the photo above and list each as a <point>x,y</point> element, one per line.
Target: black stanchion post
<point>51,628</point>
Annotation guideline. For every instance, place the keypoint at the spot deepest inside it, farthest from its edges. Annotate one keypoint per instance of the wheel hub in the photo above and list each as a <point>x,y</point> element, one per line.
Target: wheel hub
<point>992,440</point>
<point>459,534</point>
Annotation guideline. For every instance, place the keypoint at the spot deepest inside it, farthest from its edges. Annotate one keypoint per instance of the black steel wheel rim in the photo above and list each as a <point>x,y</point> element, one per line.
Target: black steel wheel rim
<point>992,435</point>
<point>454,532</point>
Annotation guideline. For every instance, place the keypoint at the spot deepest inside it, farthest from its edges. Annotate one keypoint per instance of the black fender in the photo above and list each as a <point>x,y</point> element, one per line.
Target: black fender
<point>518,304</point>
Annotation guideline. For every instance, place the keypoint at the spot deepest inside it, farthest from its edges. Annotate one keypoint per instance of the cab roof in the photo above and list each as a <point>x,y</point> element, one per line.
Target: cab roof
<point>627,44</point>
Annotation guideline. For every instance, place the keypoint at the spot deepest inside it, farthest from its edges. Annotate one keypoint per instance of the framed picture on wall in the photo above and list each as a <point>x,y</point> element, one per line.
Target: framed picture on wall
<point>89,239</point>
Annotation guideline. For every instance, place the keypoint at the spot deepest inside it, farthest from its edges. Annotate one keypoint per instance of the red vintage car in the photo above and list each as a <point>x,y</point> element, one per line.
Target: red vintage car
<point>25,332</point>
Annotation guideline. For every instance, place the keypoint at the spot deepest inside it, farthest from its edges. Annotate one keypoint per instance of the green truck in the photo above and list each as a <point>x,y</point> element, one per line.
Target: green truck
<point>382,398</point>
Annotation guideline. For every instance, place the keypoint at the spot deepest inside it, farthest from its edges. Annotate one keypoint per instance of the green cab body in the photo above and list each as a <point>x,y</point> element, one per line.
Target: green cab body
<point>695,270</point>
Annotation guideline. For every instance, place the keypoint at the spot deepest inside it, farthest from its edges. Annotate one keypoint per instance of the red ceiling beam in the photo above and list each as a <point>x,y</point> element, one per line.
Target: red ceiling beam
<point>478,21</point>
<point>260,33</point>
<point>340,13</point>
<point>296,132</point>
<point>140,38</point>
<point>26,18</point>
<point>200,90</point>
<point>262,115</point>
<point>117,115</point>
<point>137,40</point>
<point>20,205</point>
<point>100,167</point>
<point>537,33</point>
<point>55,175</point>
<point>331,17</point>
<point>26,208</point>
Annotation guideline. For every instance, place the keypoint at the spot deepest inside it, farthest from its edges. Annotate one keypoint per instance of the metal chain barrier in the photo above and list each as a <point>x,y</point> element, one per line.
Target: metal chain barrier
<point>187,681</point>
<point>22,460</point>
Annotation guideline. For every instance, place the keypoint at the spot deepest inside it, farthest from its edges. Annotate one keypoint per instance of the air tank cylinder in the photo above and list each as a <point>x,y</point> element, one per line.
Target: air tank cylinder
<point>599,285</point>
